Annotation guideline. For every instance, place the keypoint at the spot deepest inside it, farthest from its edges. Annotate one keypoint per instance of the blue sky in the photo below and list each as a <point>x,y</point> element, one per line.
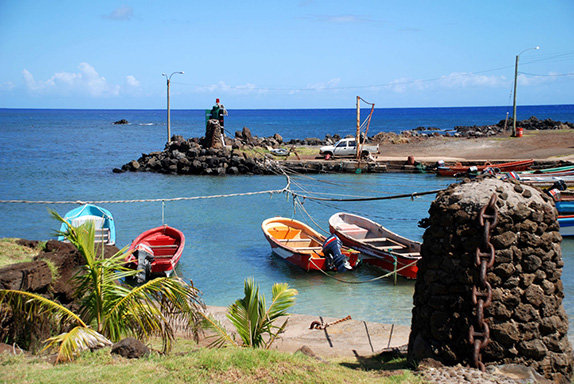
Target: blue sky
<point>284,54</point>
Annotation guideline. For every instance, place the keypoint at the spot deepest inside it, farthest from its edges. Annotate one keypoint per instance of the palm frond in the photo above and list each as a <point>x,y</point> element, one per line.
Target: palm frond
<point>283,299</point>
<point>37,308</point>
<point>252,320</point>
<point>155,308</point>
<point>275,335</point>
<point>79,339</point>
<point>223,337</point>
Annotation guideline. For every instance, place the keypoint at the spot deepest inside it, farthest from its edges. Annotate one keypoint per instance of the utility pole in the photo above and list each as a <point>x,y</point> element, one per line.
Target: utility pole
<point>515,81</point>
<point>168,118</point>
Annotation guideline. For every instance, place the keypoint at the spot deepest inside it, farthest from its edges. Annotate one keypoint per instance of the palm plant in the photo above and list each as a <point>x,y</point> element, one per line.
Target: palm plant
<point>109,310</point>
<point>252,320</point>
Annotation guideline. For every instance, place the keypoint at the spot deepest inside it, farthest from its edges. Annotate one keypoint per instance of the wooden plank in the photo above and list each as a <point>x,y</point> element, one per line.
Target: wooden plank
<point>374,239</point>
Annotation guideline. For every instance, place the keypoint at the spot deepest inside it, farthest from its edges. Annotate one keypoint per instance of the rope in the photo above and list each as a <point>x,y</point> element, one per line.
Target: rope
<point>364,281</point>
<point>286,189</point>
<point>411,195</point>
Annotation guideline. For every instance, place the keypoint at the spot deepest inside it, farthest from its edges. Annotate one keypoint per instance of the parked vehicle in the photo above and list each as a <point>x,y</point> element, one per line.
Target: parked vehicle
<point>347,147</point>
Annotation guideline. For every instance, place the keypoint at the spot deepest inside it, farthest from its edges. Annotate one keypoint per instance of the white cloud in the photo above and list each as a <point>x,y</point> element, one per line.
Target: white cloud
<point>7,86</point>
<point>86,81</point>
<point>122,13</point>
<point>242,89</point>
<point>463,80</point>
<point>131,81</point>
<point>333,83</point>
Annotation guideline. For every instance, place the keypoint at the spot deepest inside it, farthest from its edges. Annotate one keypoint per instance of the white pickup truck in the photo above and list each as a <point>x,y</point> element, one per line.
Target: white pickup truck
<point>347,147</point>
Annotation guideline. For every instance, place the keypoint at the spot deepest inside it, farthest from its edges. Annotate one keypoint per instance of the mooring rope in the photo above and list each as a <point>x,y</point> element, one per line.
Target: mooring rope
<point>395,272</point>
<point>286,189</point>
<point>411,195</point>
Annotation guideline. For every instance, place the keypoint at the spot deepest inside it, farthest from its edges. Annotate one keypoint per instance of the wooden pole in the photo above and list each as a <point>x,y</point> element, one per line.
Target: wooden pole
<point>357,137</point>
<point>168,126</point>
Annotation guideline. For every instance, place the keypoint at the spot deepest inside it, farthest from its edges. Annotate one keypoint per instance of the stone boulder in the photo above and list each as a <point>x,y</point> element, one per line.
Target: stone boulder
<point>130,348</point>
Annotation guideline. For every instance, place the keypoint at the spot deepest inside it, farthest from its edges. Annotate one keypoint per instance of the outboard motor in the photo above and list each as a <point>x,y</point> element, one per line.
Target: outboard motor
<point>145,258</point>
<point>554,191</point>
<point>332,249</point>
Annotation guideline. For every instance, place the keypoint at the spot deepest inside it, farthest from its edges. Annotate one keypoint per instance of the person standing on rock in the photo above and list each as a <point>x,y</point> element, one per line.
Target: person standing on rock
<point>218,111</point>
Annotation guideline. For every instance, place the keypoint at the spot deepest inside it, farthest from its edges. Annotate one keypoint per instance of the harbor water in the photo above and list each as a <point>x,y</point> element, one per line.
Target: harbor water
<point>53,156</point>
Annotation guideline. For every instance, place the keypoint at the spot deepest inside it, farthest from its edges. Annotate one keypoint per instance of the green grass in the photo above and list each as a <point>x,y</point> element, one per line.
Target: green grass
<point>189,363</point>
<point>11,253</point>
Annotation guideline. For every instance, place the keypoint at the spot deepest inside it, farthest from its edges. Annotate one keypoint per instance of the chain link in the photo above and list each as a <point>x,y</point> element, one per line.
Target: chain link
<point>482,292</point>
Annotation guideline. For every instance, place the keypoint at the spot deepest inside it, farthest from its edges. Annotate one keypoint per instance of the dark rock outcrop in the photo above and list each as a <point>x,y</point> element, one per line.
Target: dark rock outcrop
<point>130,348</point>
<point>526,319</point>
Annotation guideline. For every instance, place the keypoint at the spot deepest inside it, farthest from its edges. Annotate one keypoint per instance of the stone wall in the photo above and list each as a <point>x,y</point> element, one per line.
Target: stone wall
<point>37,277</point>
<point>526,319</point>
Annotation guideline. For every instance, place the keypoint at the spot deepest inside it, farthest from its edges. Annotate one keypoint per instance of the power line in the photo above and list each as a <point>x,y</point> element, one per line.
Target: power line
<point>549,57</point>
<point>549,75</point>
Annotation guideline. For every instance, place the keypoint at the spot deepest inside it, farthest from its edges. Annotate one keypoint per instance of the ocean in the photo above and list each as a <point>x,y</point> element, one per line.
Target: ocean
<point>67,156</point>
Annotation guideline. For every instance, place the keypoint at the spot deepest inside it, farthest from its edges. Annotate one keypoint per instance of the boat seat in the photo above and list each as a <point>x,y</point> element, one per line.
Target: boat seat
<point>385,247</point>
<point>309,248</point>
<point>373,239</point>
<point>415,254</point>
<point>164,246</point>
<point>102,235</point>
<point>98,221</point>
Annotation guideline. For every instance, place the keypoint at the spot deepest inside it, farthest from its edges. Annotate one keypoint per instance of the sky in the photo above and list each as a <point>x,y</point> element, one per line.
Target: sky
<point>284,54</point>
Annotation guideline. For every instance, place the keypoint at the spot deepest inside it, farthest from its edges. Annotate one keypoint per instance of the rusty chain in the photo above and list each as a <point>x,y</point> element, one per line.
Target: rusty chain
<point>482,292</point>
<point>320,325</point>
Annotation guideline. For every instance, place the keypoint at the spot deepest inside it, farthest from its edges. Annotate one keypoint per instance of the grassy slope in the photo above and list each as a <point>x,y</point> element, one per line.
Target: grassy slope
<point>233,365</point>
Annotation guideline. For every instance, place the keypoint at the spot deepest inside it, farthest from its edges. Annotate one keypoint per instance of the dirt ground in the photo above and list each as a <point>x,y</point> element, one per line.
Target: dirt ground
<point>537,145</point>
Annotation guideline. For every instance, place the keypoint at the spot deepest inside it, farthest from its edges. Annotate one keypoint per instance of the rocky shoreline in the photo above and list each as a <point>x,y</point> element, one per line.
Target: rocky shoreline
<point>249,154</point>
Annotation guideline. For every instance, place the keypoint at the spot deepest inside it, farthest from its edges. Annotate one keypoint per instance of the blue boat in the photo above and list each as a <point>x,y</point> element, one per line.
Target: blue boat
<point>565,207</point>
<point>566,225</point>
<point>103,220</point>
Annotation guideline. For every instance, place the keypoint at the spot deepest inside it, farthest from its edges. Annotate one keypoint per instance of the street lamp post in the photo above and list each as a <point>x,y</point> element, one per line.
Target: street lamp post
<point>168,122</point>
<point>515,81</point>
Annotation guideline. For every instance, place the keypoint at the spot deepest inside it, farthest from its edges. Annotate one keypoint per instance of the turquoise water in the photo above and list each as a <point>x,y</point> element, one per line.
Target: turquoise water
<point>69,155</point>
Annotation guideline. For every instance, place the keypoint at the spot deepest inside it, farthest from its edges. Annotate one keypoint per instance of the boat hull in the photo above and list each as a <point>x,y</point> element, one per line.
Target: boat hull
<point>456,170</point>
<point>299,244</point>
<point>566,225</point>
<point>167,245</point>
<point>565,207</point>
<point>104,225</point>
<point>378,245</point>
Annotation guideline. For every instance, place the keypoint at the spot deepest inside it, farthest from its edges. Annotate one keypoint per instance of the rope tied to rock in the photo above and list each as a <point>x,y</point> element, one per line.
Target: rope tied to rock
<point>320,325</point>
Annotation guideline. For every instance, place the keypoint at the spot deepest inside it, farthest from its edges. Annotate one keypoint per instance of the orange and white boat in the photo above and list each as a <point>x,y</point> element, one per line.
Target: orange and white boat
<point>300,244</point>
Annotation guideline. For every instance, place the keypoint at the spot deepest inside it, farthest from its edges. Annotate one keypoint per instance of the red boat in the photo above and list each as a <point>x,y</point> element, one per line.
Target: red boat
<point>300,244</point>
<point>378,245</point>
<point>156,252</point>
<point>459,169</point>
